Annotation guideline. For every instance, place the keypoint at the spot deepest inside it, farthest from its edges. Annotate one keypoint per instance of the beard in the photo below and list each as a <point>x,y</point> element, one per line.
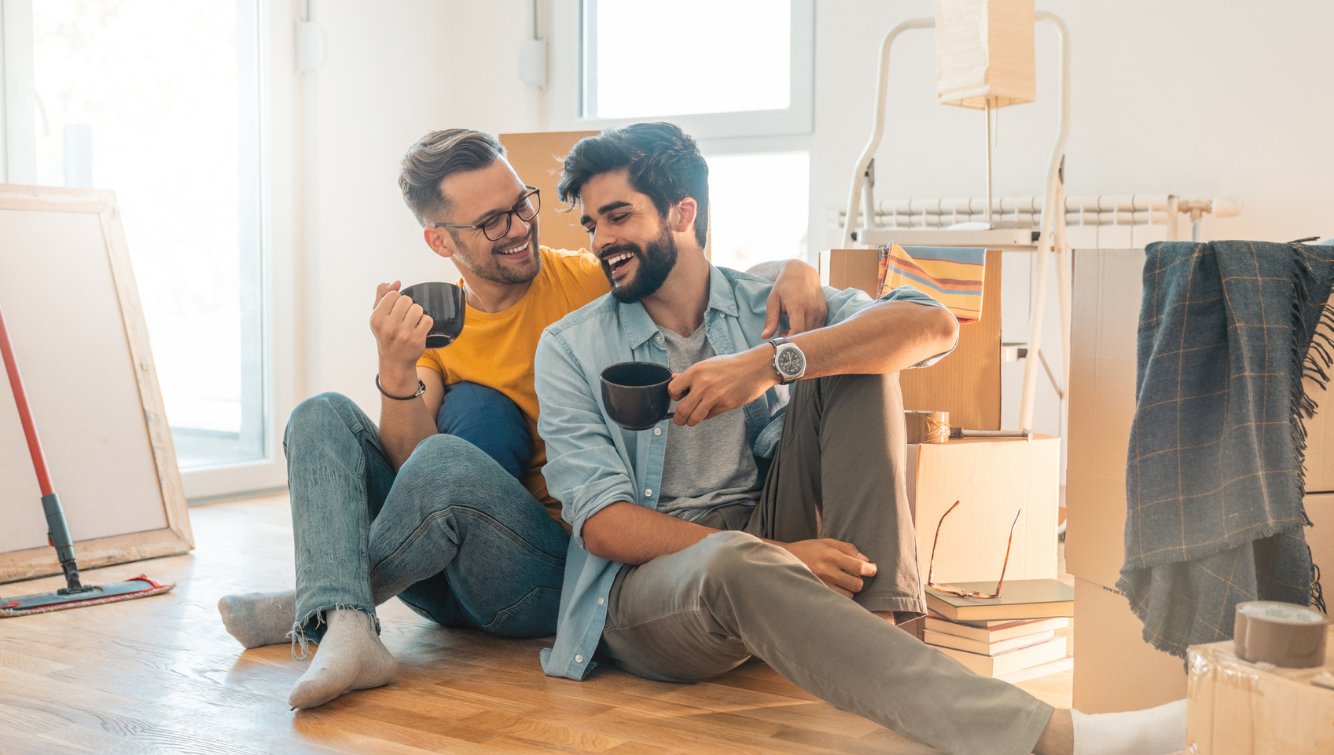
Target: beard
<point>655,264</point>
<point>484,264</point>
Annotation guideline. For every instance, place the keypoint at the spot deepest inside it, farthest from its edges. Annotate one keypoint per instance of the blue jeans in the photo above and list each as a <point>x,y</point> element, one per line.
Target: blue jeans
<point>484,417</point>
<point>453,534</point>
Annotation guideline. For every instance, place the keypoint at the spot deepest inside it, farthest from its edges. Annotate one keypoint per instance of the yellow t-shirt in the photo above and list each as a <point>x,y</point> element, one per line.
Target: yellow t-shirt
<point>496,349</point>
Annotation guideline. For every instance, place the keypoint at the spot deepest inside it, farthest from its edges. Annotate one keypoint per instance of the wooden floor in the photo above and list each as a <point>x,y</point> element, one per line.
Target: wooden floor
<point>160,675</point>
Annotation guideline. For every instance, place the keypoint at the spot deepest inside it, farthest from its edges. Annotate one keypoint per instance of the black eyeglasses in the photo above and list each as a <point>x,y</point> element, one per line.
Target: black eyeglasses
<point>497,226</point>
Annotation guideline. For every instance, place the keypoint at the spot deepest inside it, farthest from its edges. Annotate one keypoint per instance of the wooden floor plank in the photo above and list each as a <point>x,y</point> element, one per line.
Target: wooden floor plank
<point>161,675</point>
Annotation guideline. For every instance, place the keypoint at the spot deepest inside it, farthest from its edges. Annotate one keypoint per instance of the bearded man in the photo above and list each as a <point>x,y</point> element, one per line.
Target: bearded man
<point>769,517</point>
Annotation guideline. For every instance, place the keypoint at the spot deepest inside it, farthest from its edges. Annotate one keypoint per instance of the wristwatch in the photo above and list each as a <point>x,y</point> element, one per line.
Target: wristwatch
<point>788,360</point>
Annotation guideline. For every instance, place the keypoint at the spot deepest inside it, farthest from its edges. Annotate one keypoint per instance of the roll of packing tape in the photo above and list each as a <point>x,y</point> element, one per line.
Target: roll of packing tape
<point>927,426</point>
<point>1284,634</point>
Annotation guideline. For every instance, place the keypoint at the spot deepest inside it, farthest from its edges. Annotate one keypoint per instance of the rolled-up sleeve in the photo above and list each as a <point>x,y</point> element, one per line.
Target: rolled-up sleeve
<point>584,471</point>
<point>848,302</point>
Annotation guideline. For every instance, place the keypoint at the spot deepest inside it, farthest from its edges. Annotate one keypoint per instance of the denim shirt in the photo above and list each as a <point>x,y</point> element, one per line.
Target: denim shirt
<point>592,462</point>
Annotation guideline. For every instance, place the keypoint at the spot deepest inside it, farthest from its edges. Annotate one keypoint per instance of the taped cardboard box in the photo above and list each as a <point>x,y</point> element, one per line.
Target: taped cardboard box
<point>1115,669</point>
<point>1240,708</point>
<point>966,383</point>
<point>992,478</point>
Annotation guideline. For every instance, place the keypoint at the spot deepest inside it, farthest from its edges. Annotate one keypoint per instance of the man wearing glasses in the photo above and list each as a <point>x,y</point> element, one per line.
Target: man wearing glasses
<point>443,504</point>
<point>687,557</point>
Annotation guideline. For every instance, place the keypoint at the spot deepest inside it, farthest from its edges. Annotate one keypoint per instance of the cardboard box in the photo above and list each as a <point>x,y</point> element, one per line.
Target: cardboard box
<point>538,158</point>
<point>1320,535</point>
<point>966,383</point>
<point>993,479</point>
<point>1115,669</point>
<point>1238,708</point>
<point>1320,441</point>
<point>1104,332</point>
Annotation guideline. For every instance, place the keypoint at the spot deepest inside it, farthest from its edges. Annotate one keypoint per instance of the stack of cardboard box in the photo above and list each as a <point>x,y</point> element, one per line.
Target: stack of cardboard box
<point>1115,668</point>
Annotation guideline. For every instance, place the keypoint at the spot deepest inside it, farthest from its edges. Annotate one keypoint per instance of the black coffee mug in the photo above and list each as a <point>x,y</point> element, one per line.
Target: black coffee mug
<point>445,303</point>
<point>635,394</point>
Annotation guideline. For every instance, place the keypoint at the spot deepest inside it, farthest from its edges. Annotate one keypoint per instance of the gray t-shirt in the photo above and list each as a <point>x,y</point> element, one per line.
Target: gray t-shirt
<point>711,464</point>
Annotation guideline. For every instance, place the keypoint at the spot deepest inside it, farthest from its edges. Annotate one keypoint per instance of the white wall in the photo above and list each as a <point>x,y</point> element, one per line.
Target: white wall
<point>392,72</point>
<point>1195,98</point>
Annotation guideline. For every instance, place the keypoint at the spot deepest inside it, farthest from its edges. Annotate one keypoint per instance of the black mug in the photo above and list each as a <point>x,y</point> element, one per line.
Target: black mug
<point>635,394</point>
<point>445,303</point>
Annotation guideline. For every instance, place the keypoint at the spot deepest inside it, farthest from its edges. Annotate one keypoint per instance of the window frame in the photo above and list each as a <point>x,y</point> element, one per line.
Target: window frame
<point>277,292</point>
<point>567,95</point>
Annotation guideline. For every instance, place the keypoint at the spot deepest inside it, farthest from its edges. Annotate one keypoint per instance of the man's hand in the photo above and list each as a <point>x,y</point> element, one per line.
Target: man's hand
<point>400,329</point>
<point>797,293</point>
<point>722,383</point>
<point>838,564</point>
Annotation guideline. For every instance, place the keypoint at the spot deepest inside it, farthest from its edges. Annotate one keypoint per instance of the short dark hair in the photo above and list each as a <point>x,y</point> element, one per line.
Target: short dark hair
<point>438,155</point>
<point>663,161</point>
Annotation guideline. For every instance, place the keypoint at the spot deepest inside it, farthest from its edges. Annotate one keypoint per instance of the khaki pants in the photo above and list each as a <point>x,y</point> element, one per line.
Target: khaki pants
<point>839,473</point>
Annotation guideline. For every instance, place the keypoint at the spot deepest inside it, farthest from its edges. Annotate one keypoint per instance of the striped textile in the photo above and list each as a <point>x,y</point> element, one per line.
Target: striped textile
<point>951,275</point>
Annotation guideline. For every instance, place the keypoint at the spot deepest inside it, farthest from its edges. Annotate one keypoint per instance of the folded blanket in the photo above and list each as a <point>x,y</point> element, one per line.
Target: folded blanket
<point>952,276</point>
<point>1214,480</point>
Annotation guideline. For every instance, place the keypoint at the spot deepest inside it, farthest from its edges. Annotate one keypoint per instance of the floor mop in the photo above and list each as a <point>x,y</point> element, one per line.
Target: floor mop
<point>74,594</point>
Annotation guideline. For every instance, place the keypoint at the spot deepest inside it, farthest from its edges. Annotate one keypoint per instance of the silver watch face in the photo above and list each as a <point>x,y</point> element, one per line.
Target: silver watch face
<point>791,362</point>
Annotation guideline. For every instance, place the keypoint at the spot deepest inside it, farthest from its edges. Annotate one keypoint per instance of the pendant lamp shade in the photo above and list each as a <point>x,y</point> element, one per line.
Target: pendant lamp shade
<point>984,53</point>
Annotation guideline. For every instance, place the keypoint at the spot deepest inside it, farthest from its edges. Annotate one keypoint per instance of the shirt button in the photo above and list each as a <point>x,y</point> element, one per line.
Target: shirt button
<point>657,431</point>
<point>648,493</point>
<point>578,659</point>
<point>601,601</point>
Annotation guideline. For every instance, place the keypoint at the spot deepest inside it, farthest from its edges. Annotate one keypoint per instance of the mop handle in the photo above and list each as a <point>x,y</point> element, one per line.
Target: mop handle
<point>25,412</point>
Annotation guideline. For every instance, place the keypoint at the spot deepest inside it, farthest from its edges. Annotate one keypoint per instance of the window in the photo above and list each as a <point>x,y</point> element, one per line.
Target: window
<point>160,101</point>
<point>694,42</point>
<point>758,207</point>
<point>717,69</point>
<point>736,75</point>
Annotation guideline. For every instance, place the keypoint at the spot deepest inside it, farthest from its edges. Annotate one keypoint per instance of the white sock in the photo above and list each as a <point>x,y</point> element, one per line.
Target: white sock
<point>349,657</point>
<point>1155,731</point>
<point>259,618</point>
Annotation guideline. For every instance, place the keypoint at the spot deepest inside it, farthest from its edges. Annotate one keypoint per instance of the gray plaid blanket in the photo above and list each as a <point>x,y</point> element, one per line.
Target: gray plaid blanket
<point>1214,480</point>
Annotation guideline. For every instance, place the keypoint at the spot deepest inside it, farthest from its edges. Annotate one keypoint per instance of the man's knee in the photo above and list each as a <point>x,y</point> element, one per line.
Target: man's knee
<point>320,414</point>
<point>440,461</point>
<point>729,558</point>
<point>469,402</point>
<point>448,464</point>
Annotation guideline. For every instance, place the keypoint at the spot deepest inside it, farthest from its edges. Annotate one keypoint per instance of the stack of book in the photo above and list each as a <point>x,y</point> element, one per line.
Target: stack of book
<point>1018,635</point>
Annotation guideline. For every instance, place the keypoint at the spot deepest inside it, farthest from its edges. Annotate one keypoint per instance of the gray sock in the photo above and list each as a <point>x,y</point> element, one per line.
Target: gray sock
<point>350,657</point>
<point>259,618</point>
